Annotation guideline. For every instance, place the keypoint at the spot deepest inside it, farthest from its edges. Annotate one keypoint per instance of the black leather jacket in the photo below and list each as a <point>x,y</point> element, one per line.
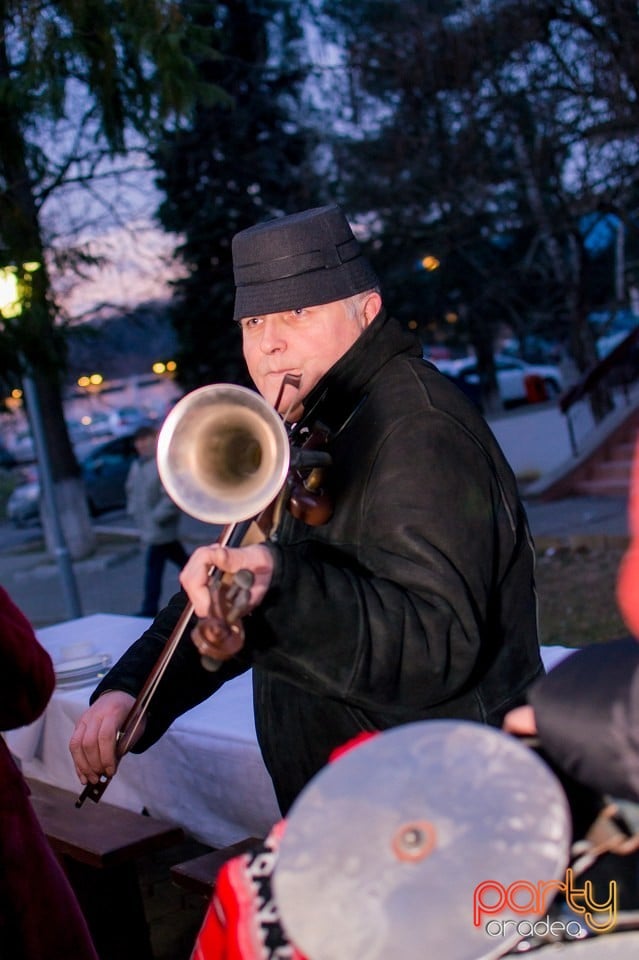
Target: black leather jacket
<point>415,600</point>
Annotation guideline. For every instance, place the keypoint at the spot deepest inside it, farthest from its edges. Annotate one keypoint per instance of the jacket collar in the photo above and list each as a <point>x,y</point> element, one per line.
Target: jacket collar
<point>334,398</point>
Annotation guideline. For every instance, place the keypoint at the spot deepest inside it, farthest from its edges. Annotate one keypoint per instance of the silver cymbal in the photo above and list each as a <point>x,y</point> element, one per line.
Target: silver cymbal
<point>384,850</point>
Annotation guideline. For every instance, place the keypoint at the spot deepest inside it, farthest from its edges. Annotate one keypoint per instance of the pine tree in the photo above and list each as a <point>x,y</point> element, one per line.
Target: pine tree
<point>235,163</point>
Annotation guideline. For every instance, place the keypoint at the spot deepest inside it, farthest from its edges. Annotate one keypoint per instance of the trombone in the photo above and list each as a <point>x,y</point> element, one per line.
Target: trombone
<point>223,456</point>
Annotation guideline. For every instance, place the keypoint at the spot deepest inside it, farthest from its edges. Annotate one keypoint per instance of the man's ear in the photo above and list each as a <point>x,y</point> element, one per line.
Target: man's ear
<point>372,306</point>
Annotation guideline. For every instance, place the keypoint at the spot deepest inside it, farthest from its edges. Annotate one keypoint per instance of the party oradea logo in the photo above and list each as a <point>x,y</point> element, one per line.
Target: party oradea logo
<point>525,899</point>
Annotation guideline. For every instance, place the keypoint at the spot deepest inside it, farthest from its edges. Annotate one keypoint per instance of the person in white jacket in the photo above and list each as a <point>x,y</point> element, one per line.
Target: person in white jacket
<point>156,516</point>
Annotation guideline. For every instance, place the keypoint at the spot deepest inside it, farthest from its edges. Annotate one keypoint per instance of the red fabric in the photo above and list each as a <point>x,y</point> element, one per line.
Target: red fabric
<point>242,921</point>
<point>39,915</point>
<point>628,577</point>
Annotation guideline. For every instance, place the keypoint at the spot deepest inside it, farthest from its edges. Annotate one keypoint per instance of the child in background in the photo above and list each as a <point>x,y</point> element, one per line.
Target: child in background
<point>156,516</point>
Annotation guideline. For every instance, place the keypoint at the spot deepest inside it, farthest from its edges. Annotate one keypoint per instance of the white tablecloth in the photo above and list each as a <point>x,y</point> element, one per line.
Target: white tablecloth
<point>205,774</point>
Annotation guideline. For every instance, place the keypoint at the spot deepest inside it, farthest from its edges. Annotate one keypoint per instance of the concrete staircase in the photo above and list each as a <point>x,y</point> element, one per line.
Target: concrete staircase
<point>609,472</point>
<point>602,471</point>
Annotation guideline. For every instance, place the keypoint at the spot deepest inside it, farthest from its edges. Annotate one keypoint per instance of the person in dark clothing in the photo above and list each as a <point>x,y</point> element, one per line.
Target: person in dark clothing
<point>585,712</point>
<point>40,918</point>
<point>416,599</point>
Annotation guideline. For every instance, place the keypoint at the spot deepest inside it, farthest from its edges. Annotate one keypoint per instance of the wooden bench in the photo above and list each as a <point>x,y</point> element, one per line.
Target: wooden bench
<point>99,847</point>
<point>198,875</point>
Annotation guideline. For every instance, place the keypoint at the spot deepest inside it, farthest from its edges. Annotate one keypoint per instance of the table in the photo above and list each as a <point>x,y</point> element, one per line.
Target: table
<point>205,774</point>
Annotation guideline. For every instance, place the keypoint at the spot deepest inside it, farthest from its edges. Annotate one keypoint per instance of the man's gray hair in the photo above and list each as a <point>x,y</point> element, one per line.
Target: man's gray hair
<point>355,303</point>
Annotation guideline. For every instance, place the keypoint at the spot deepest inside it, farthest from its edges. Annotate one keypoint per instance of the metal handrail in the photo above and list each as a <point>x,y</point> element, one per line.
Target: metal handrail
<point>594,376</point>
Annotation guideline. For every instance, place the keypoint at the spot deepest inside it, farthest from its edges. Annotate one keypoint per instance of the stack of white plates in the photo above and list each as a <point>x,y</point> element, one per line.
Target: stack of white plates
<point>81,669</point>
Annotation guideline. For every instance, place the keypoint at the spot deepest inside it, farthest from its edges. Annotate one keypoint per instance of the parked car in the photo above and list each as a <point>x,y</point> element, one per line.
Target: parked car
<point>511,373</point>
<point>104,470</point>
<point>533,349</point>
<point>127,420</point>
<point>97,424</point>
<point>7,459</point>
<point>23,504</point>
<point>22,447</point>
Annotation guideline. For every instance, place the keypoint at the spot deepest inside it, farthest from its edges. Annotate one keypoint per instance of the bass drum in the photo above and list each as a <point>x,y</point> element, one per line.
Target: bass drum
<point>405,846</point>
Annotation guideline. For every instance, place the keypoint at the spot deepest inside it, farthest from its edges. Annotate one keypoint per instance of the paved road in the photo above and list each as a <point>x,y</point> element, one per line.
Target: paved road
<point>578,517</point>
<point>108,582</point>
<point>111,580</point>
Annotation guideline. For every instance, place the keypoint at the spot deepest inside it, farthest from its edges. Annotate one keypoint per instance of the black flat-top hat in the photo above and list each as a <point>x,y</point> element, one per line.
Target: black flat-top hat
<point>301,260</point>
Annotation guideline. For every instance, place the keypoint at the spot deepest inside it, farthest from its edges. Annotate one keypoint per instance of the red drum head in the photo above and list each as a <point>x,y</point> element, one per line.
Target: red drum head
<point>389,850</point>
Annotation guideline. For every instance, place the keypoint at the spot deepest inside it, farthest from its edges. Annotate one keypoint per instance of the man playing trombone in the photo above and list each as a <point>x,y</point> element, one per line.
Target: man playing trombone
<point>414,600</point>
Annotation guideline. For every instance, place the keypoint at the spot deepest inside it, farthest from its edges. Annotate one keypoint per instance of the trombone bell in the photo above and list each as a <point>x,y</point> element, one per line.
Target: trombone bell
<point>223,454</point>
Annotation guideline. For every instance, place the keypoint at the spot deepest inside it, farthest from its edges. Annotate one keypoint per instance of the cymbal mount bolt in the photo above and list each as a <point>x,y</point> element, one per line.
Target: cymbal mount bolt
<point>414,841</point>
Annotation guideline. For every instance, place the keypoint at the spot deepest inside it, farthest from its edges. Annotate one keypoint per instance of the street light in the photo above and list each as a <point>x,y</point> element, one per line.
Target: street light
<point>14,291</point>
<point>160,368</point>
<point>14,401</point>
<point>430,263</point>
<point>91,382</point>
